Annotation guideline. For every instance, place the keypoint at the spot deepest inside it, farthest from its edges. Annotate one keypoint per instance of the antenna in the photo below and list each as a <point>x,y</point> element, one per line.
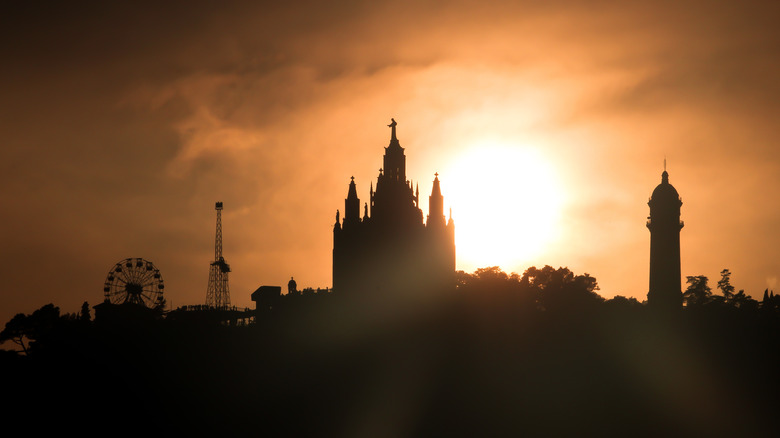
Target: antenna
<point>218,294</point>
<point>664,163</point>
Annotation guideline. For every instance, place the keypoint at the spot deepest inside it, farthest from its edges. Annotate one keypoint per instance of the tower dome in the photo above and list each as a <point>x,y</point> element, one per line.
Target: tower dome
<point>665,191</point>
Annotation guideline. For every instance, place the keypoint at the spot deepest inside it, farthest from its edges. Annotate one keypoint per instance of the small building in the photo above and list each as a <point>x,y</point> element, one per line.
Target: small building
<point>266,297</point>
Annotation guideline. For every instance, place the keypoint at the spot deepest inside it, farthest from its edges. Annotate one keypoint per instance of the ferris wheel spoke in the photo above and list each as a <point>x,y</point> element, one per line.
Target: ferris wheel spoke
<point>121,276</point>
<point>132,275</point>
<point>133,280</point>
<point>143,278</point>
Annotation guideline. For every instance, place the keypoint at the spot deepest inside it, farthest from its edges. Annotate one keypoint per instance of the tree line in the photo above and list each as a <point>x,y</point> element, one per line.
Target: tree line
<point>546,289</point>
<point>505,354</point>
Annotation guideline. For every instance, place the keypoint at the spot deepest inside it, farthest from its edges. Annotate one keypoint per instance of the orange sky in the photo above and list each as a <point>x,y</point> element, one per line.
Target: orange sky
<point>122,125</point>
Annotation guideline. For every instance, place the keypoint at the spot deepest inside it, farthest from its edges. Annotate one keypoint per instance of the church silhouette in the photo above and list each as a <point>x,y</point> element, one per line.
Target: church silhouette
<point>390,252</point>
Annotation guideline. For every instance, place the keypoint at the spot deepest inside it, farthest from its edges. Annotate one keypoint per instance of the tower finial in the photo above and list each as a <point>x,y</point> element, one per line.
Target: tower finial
<point>392,127</point>
<point>665,174</point>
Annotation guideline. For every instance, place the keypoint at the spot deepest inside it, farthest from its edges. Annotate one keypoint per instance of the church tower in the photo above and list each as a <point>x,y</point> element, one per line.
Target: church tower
<point>391,252</point>
<point>664,224</point>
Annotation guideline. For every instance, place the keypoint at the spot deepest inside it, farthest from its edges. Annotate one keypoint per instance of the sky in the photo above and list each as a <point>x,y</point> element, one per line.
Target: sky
<point>122,123</point>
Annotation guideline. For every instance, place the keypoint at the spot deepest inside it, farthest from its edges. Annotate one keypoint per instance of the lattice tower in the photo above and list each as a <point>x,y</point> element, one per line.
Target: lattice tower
<point>218,294</point>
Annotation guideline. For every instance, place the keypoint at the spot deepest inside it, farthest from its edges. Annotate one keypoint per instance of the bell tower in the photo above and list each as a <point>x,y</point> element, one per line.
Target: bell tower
<point>664,224</point>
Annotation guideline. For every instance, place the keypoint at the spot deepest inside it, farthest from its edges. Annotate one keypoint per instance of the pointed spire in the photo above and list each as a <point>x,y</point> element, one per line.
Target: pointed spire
<point>436,205</point>
<point>436,187</point>
<point>352,204</point>
<point>352,189</point>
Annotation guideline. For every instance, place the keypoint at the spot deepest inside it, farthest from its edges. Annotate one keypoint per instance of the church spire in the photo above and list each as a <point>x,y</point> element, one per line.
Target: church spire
<point>352,205</point>
<point>436,204</point>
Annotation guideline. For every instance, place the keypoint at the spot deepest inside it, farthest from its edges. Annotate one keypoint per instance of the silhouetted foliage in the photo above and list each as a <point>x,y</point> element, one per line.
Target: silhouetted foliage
<point>35,327</point>
<point>698,292</point>
<point>770,303</point>
<point>84,315</point>
<point>738,300</point>
<point>561,290</point>
<point>621,303</point>
<point>724,284</point>
<point>547,289</point>
<point>17,330</point>
<point>537,354</point>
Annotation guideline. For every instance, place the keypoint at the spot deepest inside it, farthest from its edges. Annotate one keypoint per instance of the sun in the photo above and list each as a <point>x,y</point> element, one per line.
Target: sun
<point>506,204</point>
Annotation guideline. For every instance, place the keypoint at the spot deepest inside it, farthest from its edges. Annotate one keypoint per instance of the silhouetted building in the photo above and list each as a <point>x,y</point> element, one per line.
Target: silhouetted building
<point>266,297</point>
<point>664,224</point>
<point>390,251</point>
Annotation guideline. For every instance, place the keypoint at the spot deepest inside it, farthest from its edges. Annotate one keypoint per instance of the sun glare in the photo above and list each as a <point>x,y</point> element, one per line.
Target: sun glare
<point>506,205</point>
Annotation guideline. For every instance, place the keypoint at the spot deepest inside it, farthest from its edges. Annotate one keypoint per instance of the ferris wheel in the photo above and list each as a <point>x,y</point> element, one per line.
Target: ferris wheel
<point>135,281</point>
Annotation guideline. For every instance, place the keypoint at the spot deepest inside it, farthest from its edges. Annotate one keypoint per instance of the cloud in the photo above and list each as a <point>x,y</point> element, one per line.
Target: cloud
<point>123,122</point>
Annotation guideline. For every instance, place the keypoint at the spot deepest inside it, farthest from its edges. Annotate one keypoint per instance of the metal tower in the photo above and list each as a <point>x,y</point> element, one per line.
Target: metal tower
<point>218,294</point>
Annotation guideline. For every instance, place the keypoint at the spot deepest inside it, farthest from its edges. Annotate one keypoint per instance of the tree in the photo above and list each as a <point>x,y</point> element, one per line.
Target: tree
<point>698,292</point>
<point>85,316</point>
<point>16,330</point>
<point>560,289</point>
<point>724,284</point>
<point>488,283</point>
<point>34,327</point>
<point>739,300</point>
<point>623,303</point>
<point>43,320</point>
